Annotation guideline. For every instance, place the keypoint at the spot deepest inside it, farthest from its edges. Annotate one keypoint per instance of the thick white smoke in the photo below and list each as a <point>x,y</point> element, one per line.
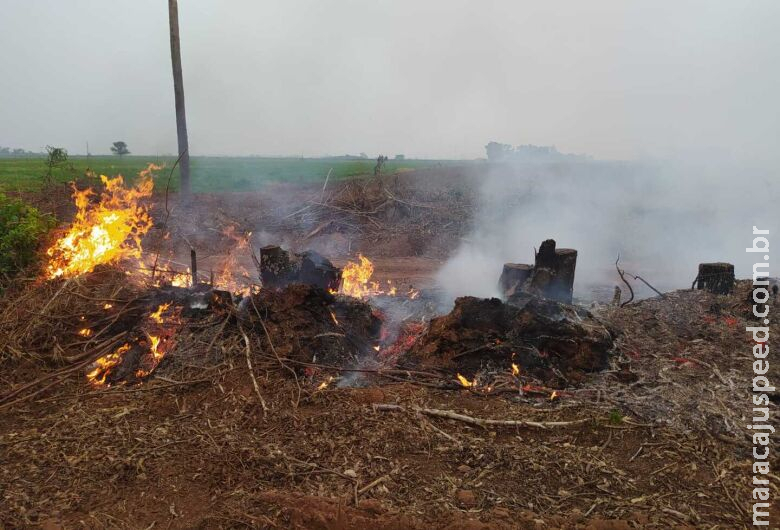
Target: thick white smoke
<point>663,218</point>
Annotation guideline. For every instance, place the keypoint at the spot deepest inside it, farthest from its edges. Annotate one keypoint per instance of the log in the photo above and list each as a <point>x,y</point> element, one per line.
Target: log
<point>716,278</point>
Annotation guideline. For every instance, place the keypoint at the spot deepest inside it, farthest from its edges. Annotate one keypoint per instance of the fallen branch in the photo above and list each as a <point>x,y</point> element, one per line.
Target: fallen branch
<point>247,352</point>
<point>623,277</point>
<point>481,422</point>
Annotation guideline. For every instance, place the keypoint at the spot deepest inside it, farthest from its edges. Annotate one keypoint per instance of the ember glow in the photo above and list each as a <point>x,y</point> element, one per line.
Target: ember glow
<point>86,332</point>
<point>515,370</point>
<point>103,232</point>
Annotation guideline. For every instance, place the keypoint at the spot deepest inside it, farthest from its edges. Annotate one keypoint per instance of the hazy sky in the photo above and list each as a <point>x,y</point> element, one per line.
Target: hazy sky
<point>615,79</point>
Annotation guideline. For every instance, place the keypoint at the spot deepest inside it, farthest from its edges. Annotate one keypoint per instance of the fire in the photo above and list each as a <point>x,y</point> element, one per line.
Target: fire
<point>328,380</point>
<point>157,315</point>
<point>515,370</point>
<point>333,316</point>
<point>108,306</point>
<point>234,277</point>
<point>183,279</point>
<point>554,395</point>
<point>86,332</point>
<point>104,232</point>
<point>103,365</point>
<point>156,353</point>
<point>465,382</point>
<point>355,277</point>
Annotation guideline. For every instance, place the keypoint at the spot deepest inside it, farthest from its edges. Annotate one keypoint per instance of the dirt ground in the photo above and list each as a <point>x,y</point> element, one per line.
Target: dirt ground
<point>225,436</point>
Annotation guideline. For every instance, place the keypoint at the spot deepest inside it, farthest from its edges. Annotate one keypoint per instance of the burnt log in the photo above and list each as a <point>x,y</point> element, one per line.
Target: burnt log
<point>280,268</point>
<point>513,276</point>
<point>716,278</point>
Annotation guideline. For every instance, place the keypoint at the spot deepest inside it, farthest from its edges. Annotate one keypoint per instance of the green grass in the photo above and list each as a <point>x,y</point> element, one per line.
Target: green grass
<point>209,174</point>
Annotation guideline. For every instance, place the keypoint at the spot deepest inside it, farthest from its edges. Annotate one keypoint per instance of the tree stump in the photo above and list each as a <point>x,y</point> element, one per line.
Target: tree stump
<point>716,278</point>
<point>279,268</point>
<point>513,276</point>
<point>275,266</point>
<point>551,276</point>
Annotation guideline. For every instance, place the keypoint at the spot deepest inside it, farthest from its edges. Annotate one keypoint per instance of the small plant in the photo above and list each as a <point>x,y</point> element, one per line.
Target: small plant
<point>55,157</point>
<point>21,228</point>
<point>615,417</point>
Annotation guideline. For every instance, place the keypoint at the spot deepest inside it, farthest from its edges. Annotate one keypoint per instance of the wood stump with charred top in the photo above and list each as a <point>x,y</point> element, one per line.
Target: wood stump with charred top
<point>716,278</point>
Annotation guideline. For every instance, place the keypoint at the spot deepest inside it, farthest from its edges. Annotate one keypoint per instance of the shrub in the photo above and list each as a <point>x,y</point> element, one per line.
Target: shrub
<point>21,228</point>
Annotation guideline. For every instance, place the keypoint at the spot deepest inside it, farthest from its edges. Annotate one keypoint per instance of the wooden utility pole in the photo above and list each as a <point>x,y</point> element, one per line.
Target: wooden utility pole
<point>178,91</point>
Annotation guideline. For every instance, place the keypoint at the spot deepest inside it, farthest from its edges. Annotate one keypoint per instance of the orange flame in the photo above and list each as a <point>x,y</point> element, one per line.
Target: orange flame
<point>157,315</point>
<point>355,276</point>
<point>103,366</point>
<point>86,332</point>
<point>515,370</point>
<point>104,232</point>
<point>465,382</point>
<point>325,383</point>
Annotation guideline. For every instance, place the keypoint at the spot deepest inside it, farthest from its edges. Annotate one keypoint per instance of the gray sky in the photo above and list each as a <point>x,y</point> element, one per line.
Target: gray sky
<point>615,79</point>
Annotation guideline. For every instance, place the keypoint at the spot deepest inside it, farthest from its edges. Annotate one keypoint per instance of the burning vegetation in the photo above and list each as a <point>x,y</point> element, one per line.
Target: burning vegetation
<point>106,231</point>
<point>294,369</point>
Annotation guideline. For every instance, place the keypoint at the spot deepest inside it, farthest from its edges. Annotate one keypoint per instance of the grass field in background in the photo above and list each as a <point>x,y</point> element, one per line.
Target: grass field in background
<point>209,174</point>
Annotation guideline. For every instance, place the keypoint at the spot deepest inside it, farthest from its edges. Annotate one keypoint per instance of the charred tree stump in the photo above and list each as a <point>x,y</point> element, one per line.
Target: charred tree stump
<point>275,266</point>
<point>319,271</point>
<point>279,268</point>
<point>513,277</point>
<point>716,278</point>
<point>553,275</point>
<point>563,281</point>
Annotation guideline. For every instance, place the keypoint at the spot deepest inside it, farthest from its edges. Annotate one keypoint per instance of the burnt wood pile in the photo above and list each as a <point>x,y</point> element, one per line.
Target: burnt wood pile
<point>556,343</point>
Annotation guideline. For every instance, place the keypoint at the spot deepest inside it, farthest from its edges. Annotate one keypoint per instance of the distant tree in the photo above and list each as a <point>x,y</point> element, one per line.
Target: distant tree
<point>120,148</point>
<point>380,162</point>
<point>5,150</point>
<point>400,157</point>
<point>496,151</point>
<point>363,155</point>
<point>19,151</point>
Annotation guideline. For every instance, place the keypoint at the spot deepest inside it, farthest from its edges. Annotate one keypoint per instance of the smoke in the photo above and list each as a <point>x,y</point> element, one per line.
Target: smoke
<point>661,218</point>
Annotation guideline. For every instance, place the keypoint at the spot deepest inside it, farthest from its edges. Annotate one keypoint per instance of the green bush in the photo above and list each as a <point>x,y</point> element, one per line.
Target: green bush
<point>21,228</point>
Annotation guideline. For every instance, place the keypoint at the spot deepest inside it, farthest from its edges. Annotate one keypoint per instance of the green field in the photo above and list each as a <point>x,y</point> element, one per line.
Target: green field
<point>209,174</point>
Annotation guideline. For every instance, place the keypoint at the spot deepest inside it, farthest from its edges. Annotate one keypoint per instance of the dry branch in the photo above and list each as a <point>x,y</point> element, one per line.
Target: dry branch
<point>481,422</point>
